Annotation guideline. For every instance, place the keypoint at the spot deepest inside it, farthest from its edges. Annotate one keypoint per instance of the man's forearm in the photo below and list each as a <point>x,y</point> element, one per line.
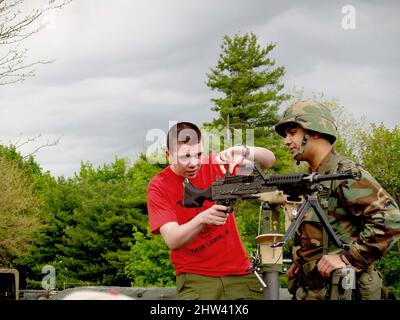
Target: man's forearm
<point>264,157</point>
<point>177,236</point>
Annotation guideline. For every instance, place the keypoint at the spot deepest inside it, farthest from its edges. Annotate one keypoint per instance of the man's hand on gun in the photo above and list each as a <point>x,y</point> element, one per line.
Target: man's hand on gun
<point>215,215</point>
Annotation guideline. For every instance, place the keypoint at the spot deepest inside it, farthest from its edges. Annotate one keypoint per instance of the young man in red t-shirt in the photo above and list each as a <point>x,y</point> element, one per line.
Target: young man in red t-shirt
<point>206,250</point>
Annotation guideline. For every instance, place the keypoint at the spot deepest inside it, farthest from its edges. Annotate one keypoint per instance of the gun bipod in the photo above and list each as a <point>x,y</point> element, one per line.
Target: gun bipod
<point>311,201</point>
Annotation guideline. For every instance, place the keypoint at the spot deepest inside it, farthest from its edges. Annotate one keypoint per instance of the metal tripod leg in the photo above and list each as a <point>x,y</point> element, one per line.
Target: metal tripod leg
<point>311,202</point>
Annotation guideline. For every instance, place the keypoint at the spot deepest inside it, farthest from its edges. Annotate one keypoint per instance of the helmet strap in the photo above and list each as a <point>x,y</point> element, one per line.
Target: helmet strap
<point>301,150</point>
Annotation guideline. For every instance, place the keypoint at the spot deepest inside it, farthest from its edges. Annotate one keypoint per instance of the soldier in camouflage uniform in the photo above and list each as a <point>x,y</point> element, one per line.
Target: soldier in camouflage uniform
<point>361,213</point>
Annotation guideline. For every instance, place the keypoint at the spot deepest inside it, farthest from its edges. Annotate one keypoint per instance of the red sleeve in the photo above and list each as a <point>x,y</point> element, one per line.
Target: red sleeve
<point>159,208</point>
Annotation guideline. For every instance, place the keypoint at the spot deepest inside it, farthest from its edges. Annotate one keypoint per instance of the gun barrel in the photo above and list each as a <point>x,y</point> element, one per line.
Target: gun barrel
<point>234,187</point>
<point>353,174</point>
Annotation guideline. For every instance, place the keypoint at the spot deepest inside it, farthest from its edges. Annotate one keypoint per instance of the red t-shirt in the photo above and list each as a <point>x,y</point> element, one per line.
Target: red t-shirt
<point>217,250</point>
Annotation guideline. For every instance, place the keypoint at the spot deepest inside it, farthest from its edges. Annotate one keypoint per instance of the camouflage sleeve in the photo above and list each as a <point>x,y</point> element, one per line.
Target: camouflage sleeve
<point>376,217</point>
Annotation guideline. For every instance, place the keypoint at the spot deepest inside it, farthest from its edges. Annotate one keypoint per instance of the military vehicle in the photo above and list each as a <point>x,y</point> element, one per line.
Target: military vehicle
<point>9,290</point>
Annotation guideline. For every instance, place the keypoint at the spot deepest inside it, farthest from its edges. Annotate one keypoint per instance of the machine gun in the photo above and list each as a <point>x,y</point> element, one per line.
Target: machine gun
<point>295,185</point>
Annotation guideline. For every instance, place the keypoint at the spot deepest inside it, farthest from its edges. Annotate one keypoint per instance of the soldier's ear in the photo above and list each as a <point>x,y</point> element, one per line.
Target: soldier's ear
<point>314,135</point>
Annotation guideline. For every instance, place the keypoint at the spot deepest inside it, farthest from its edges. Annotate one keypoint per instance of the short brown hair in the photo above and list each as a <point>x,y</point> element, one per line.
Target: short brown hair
<point>183,132</point>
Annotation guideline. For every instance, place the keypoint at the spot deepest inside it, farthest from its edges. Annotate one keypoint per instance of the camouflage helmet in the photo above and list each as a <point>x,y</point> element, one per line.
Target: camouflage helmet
<point>310,115</point>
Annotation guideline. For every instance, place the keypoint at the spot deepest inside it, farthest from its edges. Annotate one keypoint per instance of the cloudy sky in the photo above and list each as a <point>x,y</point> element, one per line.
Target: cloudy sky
<point>124,67</point>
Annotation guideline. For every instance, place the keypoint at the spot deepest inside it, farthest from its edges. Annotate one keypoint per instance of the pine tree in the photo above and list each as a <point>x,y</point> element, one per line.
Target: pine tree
<point>251,89</point>
<point>250,83</point>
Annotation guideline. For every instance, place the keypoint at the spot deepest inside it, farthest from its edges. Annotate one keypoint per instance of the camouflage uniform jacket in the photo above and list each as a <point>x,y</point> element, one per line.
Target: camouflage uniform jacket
<point>361,213</point>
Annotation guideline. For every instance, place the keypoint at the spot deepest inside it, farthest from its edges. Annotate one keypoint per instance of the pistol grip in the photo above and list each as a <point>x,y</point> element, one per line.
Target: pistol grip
<point>228,203</point>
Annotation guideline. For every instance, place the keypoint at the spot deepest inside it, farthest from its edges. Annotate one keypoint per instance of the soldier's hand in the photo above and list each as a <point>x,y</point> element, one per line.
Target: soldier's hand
<point>329,263</point>
<point>292,271</point>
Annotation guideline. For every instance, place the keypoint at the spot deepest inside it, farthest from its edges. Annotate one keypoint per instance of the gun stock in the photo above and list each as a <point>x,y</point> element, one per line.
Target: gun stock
<point>193,197</point>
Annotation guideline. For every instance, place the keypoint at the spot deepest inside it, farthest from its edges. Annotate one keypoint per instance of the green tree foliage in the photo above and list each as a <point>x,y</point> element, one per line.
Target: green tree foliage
<point>94,247</point>
<point>149,263</point>
<point>249,82</point>
<point>90,228</point>
<point>21,206</point>
<point>59,198</point>
<point>29,187</point>
<point>251,93</point>
<point>389,267</point>
<point>19,212</point>
<point>380,154</point>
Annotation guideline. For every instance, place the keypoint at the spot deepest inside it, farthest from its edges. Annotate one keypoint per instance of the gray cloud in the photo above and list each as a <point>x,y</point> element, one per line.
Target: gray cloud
<point>125,68</point>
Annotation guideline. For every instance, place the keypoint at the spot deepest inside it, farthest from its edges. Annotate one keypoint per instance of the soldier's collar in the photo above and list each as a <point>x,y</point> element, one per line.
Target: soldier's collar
<point>322,167</point>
